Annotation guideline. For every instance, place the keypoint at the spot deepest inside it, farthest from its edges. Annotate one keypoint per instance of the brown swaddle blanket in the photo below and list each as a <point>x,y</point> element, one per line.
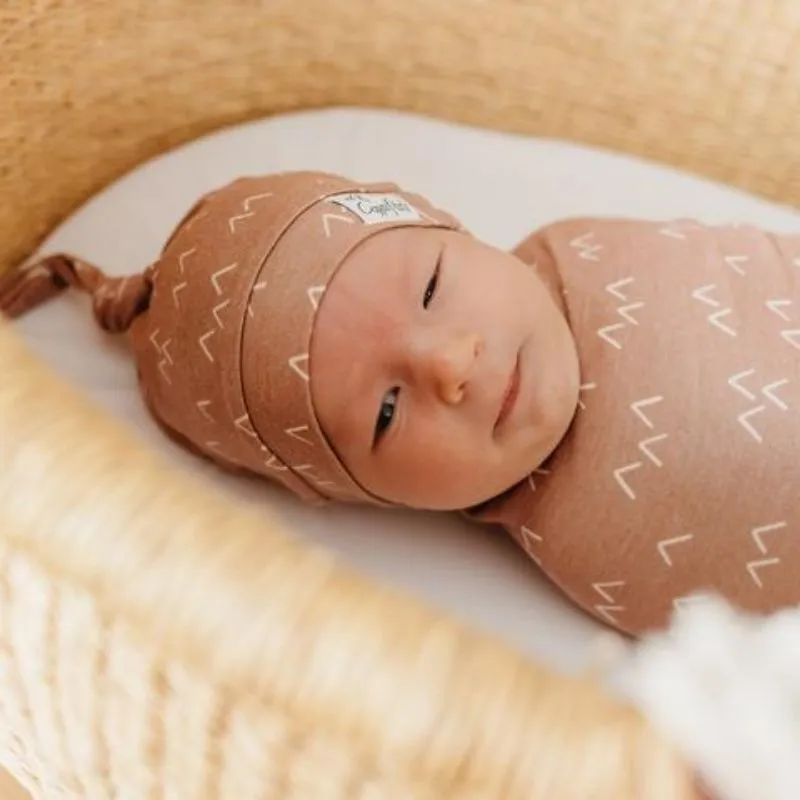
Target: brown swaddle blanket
<point>681,470</point>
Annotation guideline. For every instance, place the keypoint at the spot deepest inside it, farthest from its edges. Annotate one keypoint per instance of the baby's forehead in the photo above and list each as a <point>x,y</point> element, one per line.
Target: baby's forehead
<point>385,266</point>
<point>394,247</point>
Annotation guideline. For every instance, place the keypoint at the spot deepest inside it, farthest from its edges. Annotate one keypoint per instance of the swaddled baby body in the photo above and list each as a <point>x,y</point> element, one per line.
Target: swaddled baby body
<point>620,395</point>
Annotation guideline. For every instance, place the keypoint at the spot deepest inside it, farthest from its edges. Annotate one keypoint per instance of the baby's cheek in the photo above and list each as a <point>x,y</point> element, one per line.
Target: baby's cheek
<point>444,468</point>
<point>472,468</point>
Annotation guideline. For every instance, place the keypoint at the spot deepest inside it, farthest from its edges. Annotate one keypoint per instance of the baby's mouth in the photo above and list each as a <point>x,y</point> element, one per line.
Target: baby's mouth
<point>509,395</point>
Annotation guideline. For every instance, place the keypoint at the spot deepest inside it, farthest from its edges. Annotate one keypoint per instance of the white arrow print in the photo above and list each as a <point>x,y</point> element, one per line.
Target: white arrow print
<point>754,566</point>
<point>605,333</point>
<point>219,273</point>
<point>162,365</point>
<point>537,471</point>
<point>640,404</point>
<point>202,342</point>
<point>296,361</point>
<point>196,218</point>
<point>701,294</point>
<point>734,380</point>
<point>257,288</point>
<point>775,307</point>
<point>275,463</point>
<point>237,218</point>
<point>529,539</point>
<point>601,588</point>
<point>215,311</point>
<point>734,262</point>
<point>178,288</point>
<point>744,421</point>
<point>248,213</point>
<point>154,340</point>
<point>165,350</point>
<point>613,288</point>
<point>625,312</point>
<point>585,387</point>
<point>680,603</point>
<point>319,481</point>
<point>586,251</point>
<point>182,259</point>
<point>757,533</point>
<point>666,543</point>
<point>203,405</point>
<point>528,535</point>
<point>715,318</point>
<point>644,446</point>
<point>671,233</point>
<point>607,612</point>
<point>768,391</point>
<point>792,337</point>
<point>610,607</point>
<point>618,473</point>
<point>244,424</point>
<point>326,222</point>
<point>162,351</point>
<point>314,295</point>
<point>248,201</point>
<point>297,434</point>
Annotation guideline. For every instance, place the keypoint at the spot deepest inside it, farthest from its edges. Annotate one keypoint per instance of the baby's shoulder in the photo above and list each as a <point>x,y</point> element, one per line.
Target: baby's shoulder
<point>583,235</point>
<point>617,227</point>
<point>571,227</point>
<point>588,237</point>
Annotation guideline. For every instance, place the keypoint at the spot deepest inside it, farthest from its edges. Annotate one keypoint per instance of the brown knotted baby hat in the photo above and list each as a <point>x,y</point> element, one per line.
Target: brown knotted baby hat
<point>221,323</point>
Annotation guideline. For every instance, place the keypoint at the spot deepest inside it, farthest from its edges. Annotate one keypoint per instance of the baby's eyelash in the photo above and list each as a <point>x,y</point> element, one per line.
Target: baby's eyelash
<point>433,285</point>
<point>386,414</point>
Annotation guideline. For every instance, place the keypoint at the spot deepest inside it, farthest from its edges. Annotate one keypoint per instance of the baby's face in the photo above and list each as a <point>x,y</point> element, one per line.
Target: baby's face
<point>443,370</point>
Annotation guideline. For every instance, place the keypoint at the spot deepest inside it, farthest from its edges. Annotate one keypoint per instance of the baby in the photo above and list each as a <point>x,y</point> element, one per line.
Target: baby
<point>622,396</point>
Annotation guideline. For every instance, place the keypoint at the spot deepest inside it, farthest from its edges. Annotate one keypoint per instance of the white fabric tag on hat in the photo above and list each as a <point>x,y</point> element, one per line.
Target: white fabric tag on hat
<point>372,208</point>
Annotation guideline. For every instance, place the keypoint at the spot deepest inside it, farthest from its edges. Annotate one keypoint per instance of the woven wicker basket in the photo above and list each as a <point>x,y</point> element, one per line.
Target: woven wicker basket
<point>156,642</point>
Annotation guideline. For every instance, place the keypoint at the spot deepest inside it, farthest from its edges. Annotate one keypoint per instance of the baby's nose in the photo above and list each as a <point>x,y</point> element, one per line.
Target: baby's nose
<point>449,365</point>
